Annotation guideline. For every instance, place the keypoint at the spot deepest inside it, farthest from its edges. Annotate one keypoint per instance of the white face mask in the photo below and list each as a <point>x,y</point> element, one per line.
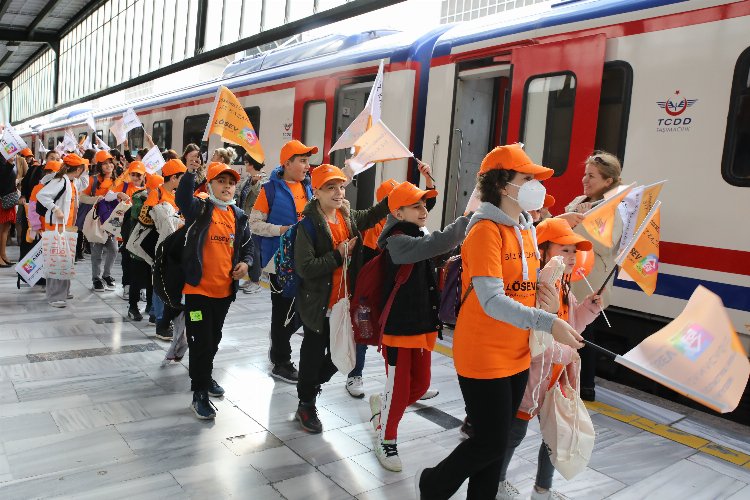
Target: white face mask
<point>220,203</point>
<point>530,195</point>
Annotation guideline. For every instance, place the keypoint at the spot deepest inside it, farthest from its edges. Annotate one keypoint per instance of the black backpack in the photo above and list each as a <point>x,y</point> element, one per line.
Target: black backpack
<point>168,272</point>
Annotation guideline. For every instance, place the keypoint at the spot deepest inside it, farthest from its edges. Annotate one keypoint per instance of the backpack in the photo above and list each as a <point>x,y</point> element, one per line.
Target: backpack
<point>283,259</point>
<point>168,272</point>
<point>41,209</point>
<point>450,295</point>
<point>369,313</point>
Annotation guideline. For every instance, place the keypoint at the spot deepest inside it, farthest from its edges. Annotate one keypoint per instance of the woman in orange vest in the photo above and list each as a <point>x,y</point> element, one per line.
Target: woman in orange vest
<point>491,343</point>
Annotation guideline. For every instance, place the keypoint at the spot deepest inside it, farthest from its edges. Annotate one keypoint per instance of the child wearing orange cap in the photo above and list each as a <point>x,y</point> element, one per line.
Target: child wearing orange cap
<point>279,205</point>
<point>217,253</point>
<point>500,261</point>
<point>319,259</point>
<point>412,326</point>
<point>556,239</point>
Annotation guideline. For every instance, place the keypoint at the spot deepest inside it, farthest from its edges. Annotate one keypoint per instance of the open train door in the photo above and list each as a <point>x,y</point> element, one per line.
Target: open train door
<point>554,105</point>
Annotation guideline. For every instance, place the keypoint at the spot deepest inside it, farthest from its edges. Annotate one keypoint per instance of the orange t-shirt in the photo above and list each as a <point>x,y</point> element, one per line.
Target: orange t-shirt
<point>153,198</point>
<point>130,190</point>
<point>484,347</point>
<point>298,192</point>
<point>370,236</point>
<point>340,234</point>
<point>102,186</point>
<point>218,248</point>
<point>421,341</point>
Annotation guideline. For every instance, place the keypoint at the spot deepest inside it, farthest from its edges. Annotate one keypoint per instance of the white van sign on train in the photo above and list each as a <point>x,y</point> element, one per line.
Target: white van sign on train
<point>675,107</point>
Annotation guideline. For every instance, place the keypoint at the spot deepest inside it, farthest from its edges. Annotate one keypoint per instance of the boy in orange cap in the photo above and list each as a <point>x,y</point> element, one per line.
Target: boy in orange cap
<point>412,326</point>
<point>556,239</point>
<point>279,205</point>
<point>217,253</point>
<point>318,259</point>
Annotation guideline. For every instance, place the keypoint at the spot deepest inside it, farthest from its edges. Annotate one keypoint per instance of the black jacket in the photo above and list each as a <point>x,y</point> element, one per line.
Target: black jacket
<point>198,213</point>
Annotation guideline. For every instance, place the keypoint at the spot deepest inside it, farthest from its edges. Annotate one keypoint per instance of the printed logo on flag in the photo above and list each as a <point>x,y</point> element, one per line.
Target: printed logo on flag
<point>248,135</point>
<point>11,149</point>
<point>601,225</point>
<point>648,265</point>
<point>692,341</point>
<point>29,266</point>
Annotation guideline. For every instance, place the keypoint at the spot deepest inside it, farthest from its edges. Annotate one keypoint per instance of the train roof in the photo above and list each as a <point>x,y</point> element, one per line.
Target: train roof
<point>536,17</point>
<point>371,45</point>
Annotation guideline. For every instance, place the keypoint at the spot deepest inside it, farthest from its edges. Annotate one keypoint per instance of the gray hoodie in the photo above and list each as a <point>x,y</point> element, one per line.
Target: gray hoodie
<point>405,249</point>
<point>490,290</point>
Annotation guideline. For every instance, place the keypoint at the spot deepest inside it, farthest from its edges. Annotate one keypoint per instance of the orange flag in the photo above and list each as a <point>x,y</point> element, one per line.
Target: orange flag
<point>698,355</point>
<point>599,222</point>
<point>641,261</point>
<point>230,122</point>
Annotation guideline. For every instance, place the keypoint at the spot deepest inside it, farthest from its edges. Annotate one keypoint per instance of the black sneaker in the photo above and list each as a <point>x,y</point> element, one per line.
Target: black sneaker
<point>588,394</point>
<point>467,431</point>
<point>165,333</point>
<point>307,415</point>
<point>135,314</point>
<point>151,319</point>
<point>216,390</point>
<point>109,283</point>
<point>203,408</point>
<point>286,372</point>
<point>98,285</point>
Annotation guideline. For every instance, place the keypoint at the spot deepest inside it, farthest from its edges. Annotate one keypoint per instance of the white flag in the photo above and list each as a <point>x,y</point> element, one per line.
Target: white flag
<point>90,122</point>
<point>100,143</point>
<point>87,143</point>
<point>153,160</point>
<point>118,130</point>
<point>366,118</point>
<point>130,120</point>
<point>377,144</point>
<point>60,148</point>
<point>11,143</point>
<point>69,141</point>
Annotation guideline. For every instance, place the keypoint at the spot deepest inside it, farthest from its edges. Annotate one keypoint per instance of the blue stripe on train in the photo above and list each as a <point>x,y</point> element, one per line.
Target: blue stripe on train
<point>680,287</point>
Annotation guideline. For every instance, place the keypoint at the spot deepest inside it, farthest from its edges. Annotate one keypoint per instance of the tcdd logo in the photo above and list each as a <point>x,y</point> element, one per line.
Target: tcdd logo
<point>692,341</point>
<point>676,105</point>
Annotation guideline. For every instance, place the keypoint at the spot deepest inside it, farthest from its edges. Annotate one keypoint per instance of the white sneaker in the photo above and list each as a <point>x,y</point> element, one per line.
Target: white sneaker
<point>355,388</point>
<point>429,394</point>
<point>125,295</point>
<point>375,404</point>
<point>387,454</point>
<point>244,284</point>
<point>58,303</point>
<point>506,491</point>
<point>547,495</point>
<point>252,288</point>
<point>71,296</point>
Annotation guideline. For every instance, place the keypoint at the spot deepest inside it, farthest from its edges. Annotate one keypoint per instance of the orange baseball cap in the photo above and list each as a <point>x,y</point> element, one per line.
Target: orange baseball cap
<point>216,168</point>
<point>153,181</point>
<point>294,147</point>
<point>137,167</point>
<point>406,194</point>
<point>513,157</point>
<point>549,201</point>
<point>173,167</point>
<point>102,156</point>
<point>53,166</point>
<point>26,152</point>
<point>324,173</point>
<point>558,231</point>
<point>74,160</point>
<point>385,189</point>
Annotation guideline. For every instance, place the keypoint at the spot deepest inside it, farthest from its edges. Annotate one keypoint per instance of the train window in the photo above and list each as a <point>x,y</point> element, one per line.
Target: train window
<point>548,119</point>
<point>735,162</point>
<point>111,139</point>
<point>614,108</point>
<point>253,113</point>
<point>163,134</point>
<point>60,139</point>
<point>100,133</point>
<point>51,144</point>
<point>135,139</point>
<point>314,128</point>
<point>193,129</point>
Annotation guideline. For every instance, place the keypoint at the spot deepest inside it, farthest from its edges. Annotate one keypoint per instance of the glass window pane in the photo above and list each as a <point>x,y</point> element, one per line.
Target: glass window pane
<point>191,27</point>
<point>148,33</point>
<point>548,120</point>
<point>314,128</point>
<point>299,9</point>
<point>251,18</point>
<point>168,33</point>
<point>128,49</point>
<point>214,19</point>
<point>178,49</point>
<point>158,16</point>
<point>135,61</point>
<point>192,131</point>
<point>274,14</point>
<point>121,35</point>
<point>614,108</point>
<point>162,135</point>
<point>230,30</point>
<point>736,159</point>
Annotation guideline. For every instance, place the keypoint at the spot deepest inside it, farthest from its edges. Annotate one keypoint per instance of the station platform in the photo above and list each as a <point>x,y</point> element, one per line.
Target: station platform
<point>87,411</point>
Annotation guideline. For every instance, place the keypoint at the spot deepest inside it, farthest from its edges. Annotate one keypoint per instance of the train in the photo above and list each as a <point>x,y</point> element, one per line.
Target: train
<point>663,84</point>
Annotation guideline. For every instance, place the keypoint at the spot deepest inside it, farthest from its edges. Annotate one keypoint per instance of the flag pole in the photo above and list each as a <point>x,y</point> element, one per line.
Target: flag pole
<point>601,350</point>
<point>582,275</point>
<point>420,162</point>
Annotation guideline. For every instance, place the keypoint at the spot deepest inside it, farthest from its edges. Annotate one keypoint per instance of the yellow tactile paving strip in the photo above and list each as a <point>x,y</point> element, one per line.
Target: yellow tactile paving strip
<point>698,443</point>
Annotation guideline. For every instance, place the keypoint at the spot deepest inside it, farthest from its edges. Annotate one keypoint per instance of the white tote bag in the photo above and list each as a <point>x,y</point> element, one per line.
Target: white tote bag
<point>92,228</point>
<point>59,250</point>
<point>566,426</point>
<point>113,225</point>
<point>343,350</point>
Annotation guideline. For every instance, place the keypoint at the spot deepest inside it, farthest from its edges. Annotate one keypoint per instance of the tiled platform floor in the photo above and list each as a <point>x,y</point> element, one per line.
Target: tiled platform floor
<point>86,411</point>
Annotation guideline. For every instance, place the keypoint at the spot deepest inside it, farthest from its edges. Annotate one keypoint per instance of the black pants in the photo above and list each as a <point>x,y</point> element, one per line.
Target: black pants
<point>281,309</point>
<point>315,365</point>
<point>140,278</point>
<point>588,354</point>
<point>204,320</point>
<point>491,405</point>
<point>125,264</point>
<point>80,244</point>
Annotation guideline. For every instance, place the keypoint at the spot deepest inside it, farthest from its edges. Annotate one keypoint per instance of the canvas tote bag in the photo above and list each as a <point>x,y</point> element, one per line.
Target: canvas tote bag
<point>343,350</point>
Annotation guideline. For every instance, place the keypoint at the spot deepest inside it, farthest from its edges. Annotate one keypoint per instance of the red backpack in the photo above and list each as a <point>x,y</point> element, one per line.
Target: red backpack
<point>368,316</point>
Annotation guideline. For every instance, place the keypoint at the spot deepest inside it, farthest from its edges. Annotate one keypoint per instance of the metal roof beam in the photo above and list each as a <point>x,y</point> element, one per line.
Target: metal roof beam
<point>4,4</point>
<point>42,15</point>
<point>10,35</point>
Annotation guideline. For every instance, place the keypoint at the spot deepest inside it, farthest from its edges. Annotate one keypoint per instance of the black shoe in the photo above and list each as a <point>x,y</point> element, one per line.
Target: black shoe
<point>135,314</point>
<point>588,394</point>
<point>151,319</point>
<point>286,372</point>
<point>109,283</point>
<point>307,415</point>
<point>203,408</point>
<point>165,333</point>
<point>98,285</point>
<point>216,390</point>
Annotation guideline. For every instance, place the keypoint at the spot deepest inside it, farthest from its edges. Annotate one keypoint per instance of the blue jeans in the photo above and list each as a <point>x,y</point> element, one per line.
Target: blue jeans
<point>360,364</point>
<point>157,306</point>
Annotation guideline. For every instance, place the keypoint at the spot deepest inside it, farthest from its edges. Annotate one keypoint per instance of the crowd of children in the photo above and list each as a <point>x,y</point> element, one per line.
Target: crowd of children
<point>231,232</point>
